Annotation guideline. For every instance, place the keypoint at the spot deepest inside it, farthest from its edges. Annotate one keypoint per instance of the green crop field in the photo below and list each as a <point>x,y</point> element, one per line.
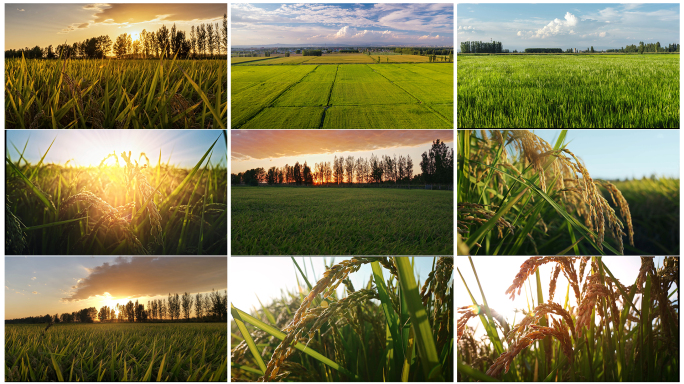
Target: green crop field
<point>336,221</point>
<point>568,91</point>
<point>116,352</point>
<point>115,93</point>
<point>393,96</point>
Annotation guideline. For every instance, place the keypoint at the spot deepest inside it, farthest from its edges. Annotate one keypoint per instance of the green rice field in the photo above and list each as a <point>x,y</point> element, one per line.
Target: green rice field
<point>375,96</point>
<point>341,221</point>
<point>568,91</point>
<point>116,352</point>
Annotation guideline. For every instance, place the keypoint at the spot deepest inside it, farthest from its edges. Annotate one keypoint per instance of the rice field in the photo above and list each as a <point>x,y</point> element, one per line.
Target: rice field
<point>85,94</point>
<point>122,208</point>
<point>596,329</point>
<point>341,221</point>
<point>337,96</point>
<point>385,331</point>
<point>568,91</point>
<point>534,197</point>
<point>116,352</point>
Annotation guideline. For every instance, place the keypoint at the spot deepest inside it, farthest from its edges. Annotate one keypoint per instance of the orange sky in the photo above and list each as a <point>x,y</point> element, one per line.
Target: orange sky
<point>57,284</point>
<point>28,25</point>
<point>267,148</point>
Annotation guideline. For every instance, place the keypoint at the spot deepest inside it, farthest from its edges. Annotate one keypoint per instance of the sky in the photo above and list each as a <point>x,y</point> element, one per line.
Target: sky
<point>342,24</point>
<point>269,278</point>
<point>495,282</point>
<point>578,25</point>
<point>36,286</point>
<point>28,25</point>
<point>274,148</point>
<point>623,153</point>
<point>88,147</point>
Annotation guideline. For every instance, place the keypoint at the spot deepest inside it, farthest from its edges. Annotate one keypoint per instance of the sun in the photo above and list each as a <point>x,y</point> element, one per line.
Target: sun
<point>135,35</point>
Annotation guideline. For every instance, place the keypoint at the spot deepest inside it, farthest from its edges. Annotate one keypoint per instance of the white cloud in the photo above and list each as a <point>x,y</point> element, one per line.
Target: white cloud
<point>35,293</point>
<point>558,26</point>
<point>21,10</point>
<point>603,34</point>
<point>33,278</point>
<point>428,37</point>
<point>519,33</point>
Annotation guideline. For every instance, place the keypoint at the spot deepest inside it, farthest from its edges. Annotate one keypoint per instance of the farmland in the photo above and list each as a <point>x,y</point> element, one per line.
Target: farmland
<point>319,92</point>
<point>119,208</point>
<point>336,221</point>
<point>116,352</point>
<point>568,91</point>
<point>532,200</point>
<point>93,93</point>
<point>581,325</point>
<point>385,331</point>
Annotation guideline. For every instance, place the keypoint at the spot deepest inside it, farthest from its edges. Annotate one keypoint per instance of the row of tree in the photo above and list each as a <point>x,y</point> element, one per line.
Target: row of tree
<point>211,306</point>
<point>650,47</point>
<point>436,166</point>
<point>202,41</point>
<point>312,52</point>
<point>543,50</point>
<point>481,47</point>
<point>424,51</point>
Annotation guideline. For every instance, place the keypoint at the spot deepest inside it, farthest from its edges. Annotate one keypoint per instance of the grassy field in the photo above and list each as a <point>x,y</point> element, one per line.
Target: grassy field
<point>116,352</point>
<point>606,332</point>
<point>340,221</point>
<point>386,331</point>
<point>116,209</point>
<point>116,93</point>
<point>654,206</point>
<point>560,91</point>
<point>533,198</point>
<point>399,96</point>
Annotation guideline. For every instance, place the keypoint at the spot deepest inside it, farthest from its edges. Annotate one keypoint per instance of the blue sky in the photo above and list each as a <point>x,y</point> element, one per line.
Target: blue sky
<point>623,153</point>
<point>266,277</point>
<point>344,24</point>
<point>184,147</point>
<point>520,26</point>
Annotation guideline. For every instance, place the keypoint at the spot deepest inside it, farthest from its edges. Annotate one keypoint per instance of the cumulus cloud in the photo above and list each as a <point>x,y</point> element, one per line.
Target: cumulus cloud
<point>428,37</point>
<point>35,293</point>
<point>21,10</point>
<point>148,276</point>
<point>558,26</point>
<point>248,145</point>
<point>33,278</point>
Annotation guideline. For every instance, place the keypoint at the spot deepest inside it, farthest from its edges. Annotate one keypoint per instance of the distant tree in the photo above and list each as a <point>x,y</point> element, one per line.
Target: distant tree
<point>186,302</point>
<point>349,168</point>
<point>224,34</point>
<point>198,305</point>
<point>163,40</point>
<point>201,38</point>
<point>592,49</point>
<point>297,173</point>
<point>306,174</point>
<point>409,168</point>
<point>193,41</point>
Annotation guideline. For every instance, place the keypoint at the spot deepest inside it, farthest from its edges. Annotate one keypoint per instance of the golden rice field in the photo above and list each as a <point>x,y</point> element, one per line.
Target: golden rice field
<point>606,332</point>
<point>121,208</point>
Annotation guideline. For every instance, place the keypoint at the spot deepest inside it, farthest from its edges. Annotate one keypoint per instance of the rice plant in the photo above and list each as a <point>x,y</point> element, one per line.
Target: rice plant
<point>65,93</point>
<point>519,195</point>
<point>123,208</point>
<point>614,333</point>
<point>388,330</point>
<point>116,352</point>
<point>568,91</point>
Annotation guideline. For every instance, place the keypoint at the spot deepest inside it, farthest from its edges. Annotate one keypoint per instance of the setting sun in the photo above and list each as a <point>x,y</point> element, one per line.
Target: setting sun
<point>135,36</point>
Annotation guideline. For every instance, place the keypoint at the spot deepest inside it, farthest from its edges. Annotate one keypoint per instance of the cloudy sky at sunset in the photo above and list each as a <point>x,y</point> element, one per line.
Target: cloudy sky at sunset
<point>344,24</point>
<point>48,285</point>
<point>28,25</point>
<point>184,148</point>
<point>271,148</point>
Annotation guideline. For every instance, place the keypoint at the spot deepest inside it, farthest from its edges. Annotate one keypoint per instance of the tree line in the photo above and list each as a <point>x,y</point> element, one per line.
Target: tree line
<point>481,47</point>
<point>202,42</point>
<point>211,306</point>
<point>436,166</point>
<point>543,50</point>
<point>650,47</point>
<point>424,51</point>
<point>312,52</point>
